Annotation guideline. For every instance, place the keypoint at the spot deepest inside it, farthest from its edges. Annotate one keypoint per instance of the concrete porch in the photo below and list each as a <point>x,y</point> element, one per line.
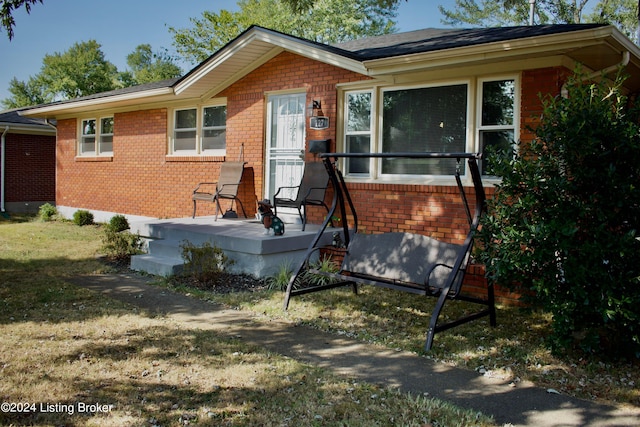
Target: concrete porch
<point>243,241</point>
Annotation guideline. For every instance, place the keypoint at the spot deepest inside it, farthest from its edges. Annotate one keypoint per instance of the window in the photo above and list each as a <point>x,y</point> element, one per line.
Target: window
<point>428,119</point>
<point>358,132</point>
<point>497,123</point>
<point>96,137</point>
<point>106,135</point>
<point>185,130</point>
<point>214,128</point>
<point>200,131</point>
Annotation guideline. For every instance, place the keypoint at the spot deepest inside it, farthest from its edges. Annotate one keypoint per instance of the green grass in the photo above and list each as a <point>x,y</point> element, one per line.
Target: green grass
<point>514,350</point>
<point>64,346</point>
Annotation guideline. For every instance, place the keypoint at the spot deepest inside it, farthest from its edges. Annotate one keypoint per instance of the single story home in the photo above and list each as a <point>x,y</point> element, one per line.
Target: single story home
<point>27,163</point>
<point>266,95</point>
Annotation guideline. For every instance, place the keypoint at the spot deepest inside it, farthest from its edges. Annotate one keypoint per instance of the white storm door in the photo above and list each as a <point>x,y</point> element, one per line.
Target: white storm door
<point>285,143</point>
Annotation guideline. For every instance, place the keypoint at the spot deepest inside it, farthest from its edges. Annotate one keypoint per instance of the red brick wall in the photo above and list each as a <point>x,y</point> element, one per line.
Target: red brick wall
<point>30,168</point>
<point>141,179</point>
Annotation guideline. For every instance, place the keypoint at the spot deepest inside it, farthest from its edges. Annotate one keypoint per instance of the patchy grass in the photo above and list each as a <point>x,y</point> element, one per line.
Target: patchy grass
<point>65,348</point>
<point>515,350</point>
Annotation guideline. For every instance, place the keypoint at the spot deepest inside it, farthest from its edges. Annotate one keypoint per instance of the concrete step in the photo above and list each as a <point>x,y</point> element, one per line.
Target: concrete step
<point>243,241</point>
<point>156,265</point>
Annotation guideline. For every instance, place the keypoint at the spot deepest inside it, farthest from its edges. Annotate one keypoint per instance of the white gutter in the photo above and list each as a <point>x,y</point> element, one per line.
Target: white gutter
<point>2,166</point>
<point>626,55</point>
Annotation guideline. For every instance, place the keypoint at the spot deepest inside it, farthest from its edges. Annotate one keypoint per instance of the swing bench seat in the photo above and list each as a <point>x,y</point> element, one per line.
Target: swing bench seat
<point>402,261</point>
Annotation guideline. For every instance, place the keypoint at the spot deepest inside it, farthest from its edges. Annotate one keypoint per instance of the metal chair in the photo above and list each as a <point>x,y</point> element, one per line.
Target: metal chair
<point>225,188</point>
<point>311,191</point>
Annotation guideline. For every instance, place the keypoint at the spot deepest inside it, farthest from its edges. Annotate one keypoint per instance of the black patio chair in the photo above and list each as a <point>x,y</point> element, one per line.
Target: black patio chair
<point>225,188</point>
<point>311,191</point>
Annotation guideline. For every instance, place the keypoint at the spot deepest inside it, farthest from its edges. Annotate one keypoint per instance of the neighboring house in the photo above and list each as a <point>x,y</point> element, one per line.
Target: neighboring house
<point>140,151</point>
<point>27,162</point>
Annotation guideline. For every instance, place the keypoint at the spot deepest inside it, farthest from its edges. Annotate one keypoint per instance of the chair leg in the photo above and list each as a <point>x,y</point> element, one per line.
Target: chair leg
<point>194,209</point>
<point>303,216</point>
<point>218,208</point>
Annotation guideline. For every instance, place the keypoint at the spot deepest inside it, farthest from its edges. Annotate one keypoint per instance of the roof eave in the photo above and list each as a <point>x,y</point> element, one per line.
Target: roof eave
<point>268,44</point>
<point>106,102</point>
<point>490,52</point>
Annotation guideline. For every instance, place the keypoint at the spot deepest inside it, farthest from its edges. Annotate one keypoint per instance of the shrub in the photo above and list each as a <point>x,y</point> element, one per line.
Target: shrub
<point>118,223</point>
<point>47,212</point>
<point>82,217</point>
<point>564,221</point>
<point>120,245</point>
<point>204,263</point>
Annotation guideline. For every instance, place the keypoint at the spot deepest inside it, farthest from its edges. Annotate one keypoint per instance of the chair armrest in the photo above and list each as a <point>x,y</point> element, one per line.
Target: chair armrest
<point>195,190</point>
<point>278,192</point>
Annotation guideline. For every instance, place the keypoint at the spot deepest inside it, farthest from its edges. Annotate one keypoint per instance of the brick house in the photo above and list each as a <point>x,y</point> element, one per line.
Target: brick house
<point>27,162</point>
<point>140,151</point>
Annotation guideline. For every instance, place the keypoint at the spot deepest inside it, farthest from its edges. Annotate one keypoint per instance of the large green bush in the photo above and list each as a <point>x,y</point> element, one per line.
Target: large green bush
<point>564,220</point>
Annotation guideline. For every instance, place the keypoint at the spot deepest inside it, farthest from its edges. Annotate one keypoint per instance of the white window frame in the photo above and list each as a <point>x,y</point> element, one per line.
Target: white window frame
<point>515,126</point>
<point>474,124</point>
<point>371,132</point>
<point>97,137</point>
<point>104,134</point>
<point>203,128</point>
<point>379,142</point>
<point>199,130</point>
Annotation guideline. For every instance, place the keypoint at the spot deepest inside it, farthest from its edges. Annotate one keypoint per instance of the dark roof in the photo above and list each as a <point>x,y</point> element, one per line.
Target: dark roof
<point>385,46</point>
<point>432,39</point>
<point>13,117</point>
<point>131,89</point>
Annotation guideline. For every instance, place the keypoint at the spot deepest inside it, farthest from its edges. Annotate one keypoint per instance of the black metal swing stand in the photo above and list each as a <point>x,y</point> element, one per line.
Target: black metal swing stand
<point>403,261</point>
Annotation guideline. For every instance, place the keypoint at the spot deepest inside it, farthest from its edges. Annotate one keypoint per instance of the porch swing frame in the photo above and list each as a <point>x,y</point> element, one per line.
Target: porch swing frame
<point>351,274</point>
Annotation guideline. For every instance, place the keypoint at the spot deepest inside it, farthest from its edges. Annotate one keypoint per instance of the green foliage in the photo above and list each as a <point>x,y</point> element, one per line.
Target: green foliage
<point>491,13</point>
<point>83,70</point>
<point>47,212</point>
<point>119,244</point>
<point>564,220</point>
<point>146,66</point>
<point>325,265</point>
<point>8,7</point>
<point>204,263</point>
<point>329,21</point>
<point>280,280</point>
<point>82,217</point>
<point>118,223</point>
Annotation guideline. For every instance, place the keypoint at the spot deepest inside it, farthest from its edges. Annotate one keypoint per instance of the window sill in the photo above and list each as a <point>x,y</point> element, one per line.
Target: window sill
<point>94,159</point>
<point>195,158</point>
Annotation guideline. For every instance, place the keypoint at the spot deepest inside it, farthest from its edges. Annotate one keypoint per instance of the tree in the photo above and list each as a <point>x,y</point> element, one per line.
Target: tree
<point>327,21</point>
<point>489,13</point>
<point>565,220</point>
<point>7,7</point>
<point>146,66</point>
<point>82,70</point>
<point>25,93</point>
<point>621,13</point>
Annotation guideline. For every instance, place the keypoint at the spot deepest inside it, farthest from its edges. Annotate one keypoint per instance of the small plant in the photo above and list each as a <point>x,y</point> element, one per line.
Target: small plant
<point>120,245</point>
<point>118,223</point>
<point>204,263</point>
<point>82,217</point>
<point>47,212</point>
<point>325,265</point>
<point>280,280</point>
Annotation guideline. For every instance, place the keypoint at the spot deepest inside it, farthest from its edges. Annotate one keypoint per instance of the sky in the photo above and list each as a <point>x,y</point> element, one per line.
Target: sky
<point>119,26</point>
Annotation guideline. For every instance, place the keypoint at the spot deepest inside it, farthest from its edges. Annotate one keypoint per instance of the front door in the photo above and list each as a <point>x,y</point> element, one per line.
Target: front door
<point>285,144</point>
